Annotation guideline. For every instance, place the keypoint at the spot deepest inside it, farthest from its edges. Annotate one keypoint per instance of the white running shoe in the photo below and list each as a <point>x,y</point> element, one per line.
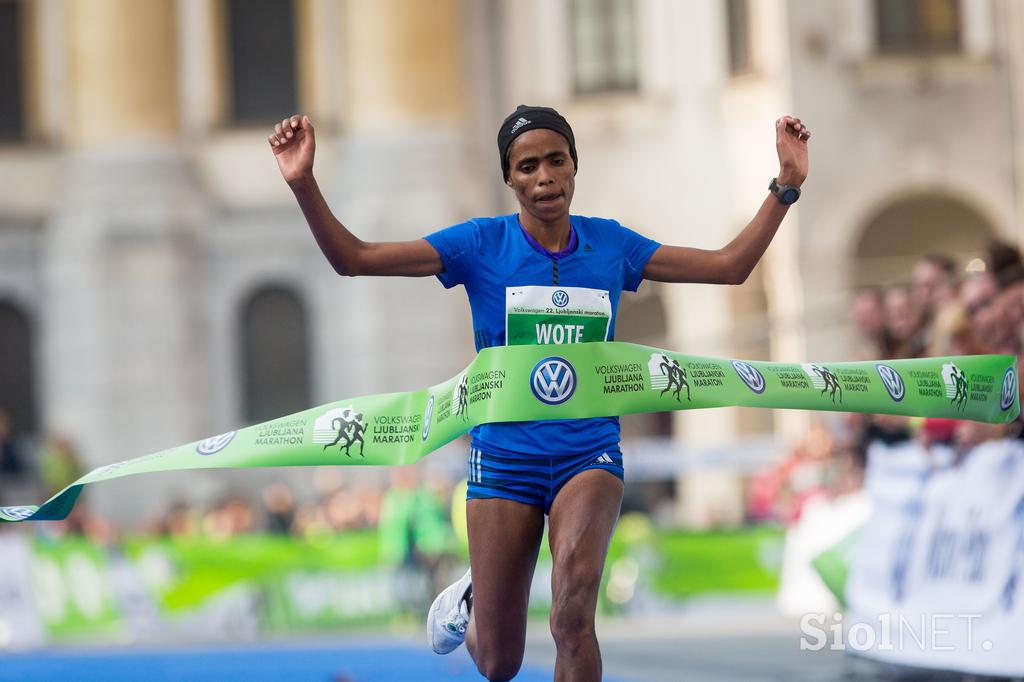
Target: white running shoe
<point>448,617</point>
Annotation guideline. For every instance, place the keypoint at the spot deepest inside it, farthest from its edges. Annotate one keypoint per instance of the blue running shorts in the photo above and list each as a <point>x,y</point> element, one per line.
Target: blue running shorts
<point>533,479</point>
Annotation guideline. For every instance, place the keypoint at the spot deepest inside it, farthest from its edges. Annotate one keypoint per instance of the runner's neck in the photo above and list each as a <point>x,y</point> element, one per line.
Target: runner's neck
<point>569,239</point>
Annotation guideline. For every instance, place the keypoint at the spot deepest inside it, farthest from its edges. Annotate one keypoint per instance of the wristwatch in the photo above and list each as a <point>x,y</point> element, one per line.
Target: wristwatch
<point>786,194</point>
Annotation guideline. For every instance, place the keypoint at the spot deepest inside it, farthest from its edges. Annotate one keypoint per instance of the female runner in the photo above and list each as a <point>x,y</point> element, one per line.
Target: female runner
<point>568,470</point>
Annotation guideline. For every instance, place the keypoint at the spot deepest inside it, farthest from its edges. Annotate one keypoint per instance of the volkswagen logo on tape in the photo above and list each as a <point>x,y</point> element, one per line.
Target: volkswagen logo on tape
<point>560,298</point>
<point>428,414</point>
<point>1009,390</point>
<point>215,444</point>
<point>19,513</point>
<point>750,375</point>
<point>892,381</point>
<point>553,380</point>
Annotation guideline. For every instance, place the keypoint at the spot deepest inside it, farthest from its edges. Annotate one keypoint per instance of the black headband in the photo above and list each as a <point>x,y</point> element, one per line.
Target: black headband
<point>529,118</point>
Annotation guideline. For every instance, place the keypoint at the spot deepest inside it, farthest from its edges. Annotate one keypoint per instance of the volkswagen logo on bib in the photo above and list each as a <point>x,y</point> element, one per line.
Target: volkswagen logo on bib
<point>750,375</point>
<point>560,298</point>
<point>1009,391</point>
<point>892,381</point>
<point>553,380</point>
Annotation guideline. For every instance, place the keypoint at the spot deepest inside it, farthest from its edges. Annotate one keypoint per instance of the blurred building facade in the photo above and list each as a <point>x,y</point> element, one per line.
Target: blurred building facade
<point>158,284</point>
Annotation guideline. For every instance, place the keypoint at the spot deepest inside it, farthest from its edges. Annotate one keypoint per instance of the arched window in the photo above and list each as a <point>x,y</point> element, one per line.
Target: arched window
<point>275,355</point>
<point>17,386</point>
<point>899,234</point>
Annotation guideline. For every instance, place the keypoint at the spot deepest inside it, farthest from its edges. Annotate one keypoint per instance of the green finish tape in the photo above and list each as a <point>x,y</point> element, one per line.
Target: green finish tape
<point>529,383</point>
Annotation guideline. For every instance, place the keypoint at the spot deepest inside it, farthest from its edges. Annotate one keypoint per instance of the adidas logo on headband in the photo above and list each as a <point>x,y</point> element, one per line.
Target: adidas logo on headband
<point>519,124</point>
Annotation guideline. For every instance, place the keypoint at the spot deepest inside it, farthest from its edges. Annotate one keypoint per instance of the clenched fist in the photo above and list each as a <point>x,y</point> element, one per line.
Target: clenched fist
<point>791,137</point>
<point>294,147</point>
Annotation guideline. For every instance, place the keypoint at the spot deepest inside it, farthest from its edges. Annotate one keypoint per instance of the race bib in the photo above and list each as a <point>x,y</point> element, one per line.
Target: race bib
<point>542,315</point>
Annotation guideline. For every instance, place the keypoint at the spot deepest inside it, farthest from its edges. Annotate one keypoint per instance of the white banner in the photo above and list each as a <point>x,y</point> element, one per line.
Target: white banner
<point>823,523</point>
<point>20,627</point>
<point>938,577</point>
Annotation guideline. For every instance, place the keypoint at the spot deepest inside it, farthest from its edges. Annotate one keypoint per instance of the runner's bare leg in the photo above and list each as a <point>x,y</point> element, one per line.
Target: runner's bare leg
<point>504,539</point>
<point>582,519</point>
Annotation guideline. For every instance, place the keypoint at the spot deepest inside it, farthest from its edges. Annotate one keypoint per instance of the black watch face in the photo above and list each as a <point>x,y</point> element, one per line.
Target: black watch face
<point>790,196</point>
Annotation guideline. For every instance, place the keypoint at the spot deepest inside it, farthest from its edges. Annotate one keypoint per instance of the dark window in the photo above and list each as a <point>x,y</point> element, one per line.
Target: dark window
<point>275,355</point>
<point>261,52</point>
<point>17,389</point>
<point>918,26</point>
<point>11,115</point>
<point>738,21</point>
<point>604,45</point>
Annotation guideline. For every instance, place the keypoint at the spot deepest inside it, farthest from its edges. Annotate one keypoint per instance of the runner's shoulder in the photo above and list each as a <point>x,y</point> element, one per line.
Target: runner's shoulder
<point>491,222</point>
<point>605,231</point>
<point>489,229</point>
<point>598,223</point>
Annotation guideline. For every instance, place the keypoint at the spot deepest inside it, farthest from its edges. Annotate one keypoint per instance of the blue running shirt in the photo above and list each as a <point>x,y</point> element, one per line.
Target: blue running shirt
<point>508,282</point>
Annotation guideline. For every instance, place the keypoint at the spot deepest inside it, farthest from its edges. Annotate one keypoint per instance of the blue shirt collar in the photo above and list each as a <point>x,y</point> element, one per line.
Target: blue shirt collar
<point>555,255</point>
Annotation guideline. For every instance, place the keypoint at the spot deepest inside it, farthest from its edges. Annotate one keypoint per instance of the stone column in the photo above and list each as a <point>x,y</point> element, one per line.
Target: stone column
<point>708,496</point>
<point>119,326</point>
<point>122,71</point>
<point>402,171</point>
<point>785,285</point>
<point>1013,15</point>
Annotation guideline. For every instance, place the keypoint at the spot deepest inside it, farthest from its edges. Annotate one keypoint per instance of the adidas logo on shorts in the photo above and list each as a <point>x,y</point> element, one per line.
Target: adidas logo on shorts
<point>604,459</point>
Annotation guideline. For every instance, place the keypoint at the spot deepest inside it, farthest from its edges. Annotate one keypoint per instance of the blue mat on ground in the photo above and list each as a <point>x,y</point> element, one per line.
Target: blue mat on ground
<point>372,661</point>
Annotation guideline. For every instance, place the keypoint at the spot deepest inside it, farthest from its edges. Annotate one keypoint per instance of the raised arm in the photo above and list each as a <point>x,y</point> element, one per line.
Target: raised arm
<point>294,145</point>
<point>733,263</point>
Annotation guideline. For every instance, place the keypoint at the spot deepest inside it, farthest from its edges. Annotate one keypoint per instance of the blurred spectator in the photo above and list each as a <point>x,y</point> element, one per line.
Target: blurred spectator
<point>413,525</point>
<point>328,479</point>
<point>999,322</point>
<point>414,530</point>
<point>933,284</point>
<point>233,515</point>
<point>949,332</point>
<point>885,428</point>
<point>976,295</point>
<point>343,510</point>
<point>310,521</point>
<point>58,465</point>
<point>280,505</point>
<point>799,477</point>
<point>1010,306</point>
<point>903,323</point>
<point>970,434</point>
<point>178,521</point>
<point>12,467</point>
<point>869,317</point>
<point>1001,257</point>
<point>847,471</point>
<point>939,431</point>
<point>977,291</point>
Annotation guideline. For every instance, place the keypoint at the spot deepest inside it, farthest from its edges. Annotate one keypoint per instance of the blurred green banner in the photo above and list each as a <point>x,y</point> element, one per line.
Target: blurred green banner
<point>201,586</point>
